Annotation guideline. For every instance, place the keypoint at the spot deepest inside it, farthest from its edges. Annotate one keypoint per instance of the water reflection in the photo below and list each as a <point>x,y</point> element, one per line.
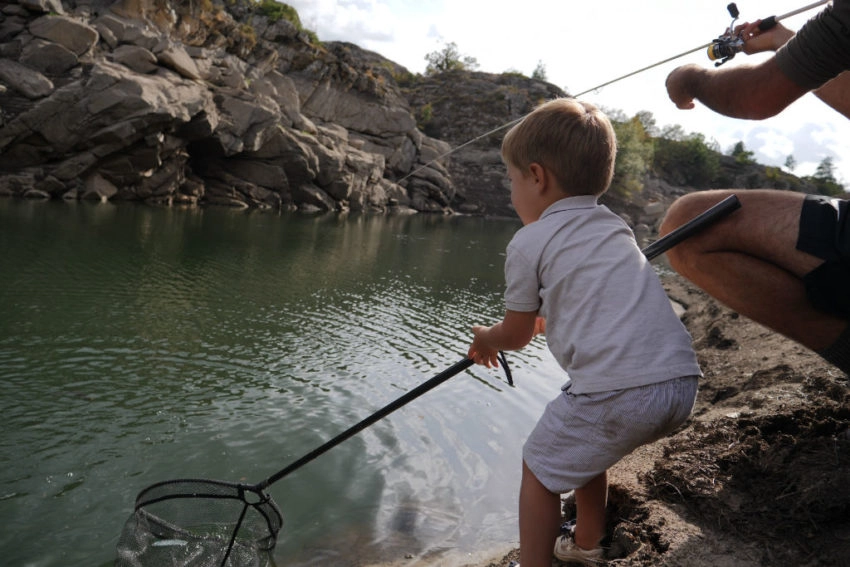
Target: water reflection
<point>141,344</point>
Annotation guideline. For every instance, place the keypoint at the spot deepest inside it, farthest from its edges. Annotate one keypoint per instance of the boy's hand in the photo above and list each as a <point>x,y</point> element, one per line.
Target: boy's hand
<point>479,352</point>
<point>539,326</point>
<point>511,333</point>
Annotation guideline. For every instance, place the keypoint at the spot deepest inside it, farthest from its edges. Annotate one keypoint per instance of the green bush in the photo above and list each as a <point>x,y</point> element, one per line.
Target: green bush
<point>688,161</point>
<point>824,179</point>
<point>275,11</point>
<point>742,155</point>
<point>635,150</point>
<point>449,59</point>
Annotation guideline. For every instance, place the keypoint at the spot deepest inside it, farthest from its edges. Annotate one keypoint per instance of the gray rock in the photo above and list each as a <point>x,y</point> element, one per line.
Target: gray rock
<point>175,57</point>
<point>24,80</point>
<point>75,36</point>
<point>43,6</point>
<point>173,108</point>
<point>48,57</point>
<point>96,188</point>
<point>136,58</point>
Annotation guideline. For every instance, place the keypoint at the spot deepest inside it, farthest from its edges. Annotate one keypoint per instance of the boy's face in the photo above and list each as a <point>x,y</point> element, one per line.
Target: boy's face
<point>523,194</point>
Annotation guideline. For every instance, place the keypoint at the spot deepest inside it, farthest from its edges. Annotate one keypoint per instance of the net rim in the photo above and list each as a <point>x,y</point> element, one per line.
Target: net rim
<point>263,506</point>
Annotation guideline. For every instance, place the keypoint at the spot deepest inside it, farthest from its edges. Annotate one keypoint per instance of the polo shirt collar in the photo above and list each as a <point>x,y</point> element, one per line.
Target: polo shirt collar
<point>571,203</point>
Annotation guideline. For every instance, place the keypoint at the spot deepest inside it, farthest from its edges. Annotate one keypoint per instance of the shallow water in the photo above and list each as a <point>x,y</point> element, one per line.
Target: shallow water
<point>141,344</point>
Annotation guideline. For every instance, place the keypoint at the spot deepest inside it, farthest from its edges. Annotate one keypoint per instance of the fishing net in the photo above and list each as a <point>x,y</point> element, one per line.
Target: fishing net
<point>208,523</point>
<point>200,523</point>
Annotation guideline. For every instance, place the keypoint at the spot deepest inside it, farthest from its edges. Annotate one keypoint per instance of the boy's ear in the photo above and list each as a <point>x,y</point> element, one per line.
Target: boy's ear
<point>539,175</point>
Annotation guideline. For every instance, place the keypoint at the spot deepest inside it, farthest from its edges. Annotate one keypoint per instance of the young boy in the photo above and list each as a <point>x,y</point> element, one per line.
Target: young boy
<point>575,268</point>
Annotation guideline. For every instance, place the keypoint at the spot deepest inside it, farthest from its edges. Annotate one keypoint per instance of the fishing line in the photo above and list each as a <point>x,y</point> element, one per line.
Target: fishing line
<point>605,84</point>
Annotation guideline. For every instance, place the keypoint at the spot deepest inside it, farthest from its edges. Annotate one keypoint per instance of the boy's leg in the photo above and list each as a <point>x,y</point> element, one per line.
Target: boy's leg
<point>539,521</point>
<point>750,262</point>
<point>591,501</point>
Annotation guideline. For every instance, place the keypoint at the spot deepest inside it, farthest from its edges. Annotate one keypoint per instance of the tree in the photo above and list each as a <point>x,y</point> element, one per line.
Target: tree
<point>790,163</point>
<point>449,59</point>
<point>691,160</point>
<point>825,170</point>
<point>674,132</point>
<point>539,72</point>
<point>649,124</point>
<point>741,154</point>
<point>634,156</point>
<point>824,178</point>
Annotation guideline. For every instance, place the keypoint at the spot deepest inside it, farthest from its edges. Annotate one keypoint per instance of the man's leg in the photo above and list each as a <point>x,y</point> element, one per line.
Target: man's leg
<point>539,521</point>
<point>749,261</point>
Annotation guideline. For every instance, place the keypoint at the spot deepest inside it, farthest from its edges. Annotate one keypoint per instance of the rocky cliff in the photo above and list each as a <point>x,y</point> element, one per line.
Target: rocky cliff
<point>226,102</point>
<point>204,103</point>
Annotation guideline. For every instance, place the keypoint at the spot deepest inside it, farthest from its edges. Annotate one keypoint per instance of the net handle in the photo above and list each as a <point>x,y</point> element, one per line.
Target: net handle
<point>693,226</point>
<point>450,372</point>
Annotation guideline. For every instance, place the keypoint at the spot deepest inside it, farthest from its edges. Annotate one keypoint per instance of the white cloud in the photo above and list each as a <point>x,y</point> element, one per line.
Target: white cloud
<point>769,144</point>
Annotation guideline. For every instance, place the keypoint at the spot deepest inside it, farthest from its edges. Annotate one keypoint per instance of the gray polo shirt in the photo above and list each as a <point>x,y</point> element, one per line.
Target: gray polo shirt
<point>609,322</point>
<point>820,50</point>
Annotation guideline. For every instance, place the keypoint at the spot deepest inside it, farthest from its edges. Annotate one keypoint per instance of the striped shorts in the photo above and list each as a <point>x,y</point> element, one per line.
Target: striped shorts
<point>579,436</point>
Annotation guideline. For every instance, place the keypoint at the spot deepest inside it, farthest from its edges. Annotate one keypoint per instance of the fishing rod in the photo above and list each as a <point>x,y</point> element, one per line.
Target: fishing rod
<point>721,50</point>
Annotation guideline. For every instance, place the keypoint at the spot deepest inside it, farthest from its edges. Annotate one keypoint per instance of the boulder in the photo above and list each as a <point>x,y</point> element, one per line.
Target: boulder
<point>136,58</point>
<point>29,82</point>
<point>48,57</point>
<point>71,34</point>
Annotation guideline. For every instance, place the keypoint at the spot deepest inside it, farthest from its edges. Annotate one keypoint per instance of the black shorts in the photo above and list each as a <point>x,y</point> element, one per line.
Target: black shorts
<point>825,233</point>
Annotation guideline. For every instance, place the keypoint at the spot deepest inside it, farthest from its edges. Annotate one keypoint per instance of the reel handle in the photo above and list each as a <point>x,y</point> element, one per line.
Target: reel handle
<point>767,23</point>
<point>733,10</point>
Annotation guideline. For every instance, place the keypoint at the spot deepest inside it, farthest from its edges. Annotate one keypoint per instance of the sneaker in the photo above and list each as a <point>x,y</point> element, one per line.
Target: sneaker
<point>566,550</point>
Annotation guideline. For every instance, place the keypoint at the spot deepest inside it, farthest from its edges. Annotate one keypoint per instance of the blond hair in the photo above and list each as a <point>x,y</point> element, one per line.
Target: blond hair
<point>571,139</point>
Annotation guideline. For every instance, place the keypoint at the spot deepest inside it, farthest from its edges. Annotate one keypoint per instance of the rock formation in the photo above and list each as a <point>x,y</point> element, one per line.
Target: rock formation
<point>204,102</point>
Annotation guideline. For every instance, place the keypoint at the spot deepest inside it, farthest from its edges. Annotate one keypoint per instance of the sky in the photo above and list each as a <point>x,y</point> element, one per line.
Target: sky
<point>584,44</point>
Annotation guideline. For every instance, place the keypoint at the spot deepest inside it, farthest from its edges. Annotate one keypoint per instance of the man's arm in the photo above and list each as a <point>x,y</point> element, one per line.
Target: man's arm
<point>753,92</point>
<point>836,93</point>
<point>756,91</point>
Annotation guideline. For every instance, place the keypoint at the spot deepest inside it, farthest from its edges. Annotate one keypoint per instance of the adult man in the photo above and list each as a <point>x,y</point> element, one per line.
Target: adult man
<point>784,258</point>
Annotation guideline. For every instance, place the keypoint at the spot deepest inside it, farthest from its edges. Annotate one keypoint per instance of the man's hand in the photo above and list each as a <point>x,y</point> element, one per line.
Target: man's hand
<point>680,85</point>
<point>756,40</point>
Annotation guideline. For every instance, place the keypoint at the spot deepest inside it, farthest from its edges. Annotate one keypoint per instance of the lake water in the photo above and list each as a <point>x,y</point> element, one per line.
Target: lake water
<point>140,344</point>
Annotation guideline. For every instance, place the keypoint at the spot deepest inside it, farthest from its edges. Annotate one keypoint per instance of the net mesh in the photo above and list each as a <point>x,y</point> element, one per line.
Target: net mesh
<point>191,523</point>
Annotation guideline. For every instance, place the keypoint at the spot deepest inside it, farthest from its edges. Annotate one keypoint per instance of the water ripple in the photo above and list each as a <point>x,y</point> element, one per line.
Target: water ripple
<point>152,345</point>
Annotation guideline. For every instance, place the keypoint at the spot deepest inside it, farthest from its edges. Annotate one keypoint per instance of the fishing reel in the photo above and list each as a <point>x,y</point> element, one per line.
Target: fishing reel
<point>727,45</point>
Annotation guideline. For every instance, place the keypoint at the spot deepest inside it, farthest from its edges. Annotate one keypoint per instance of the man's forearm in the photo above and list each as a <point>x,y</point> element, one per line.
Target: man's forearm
<point>746,91</point>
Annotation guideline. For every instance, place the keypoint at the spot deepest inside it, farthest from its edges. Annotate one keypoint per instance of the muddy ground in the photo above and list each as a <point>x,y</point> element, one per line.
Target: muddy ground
<point>761,473</point>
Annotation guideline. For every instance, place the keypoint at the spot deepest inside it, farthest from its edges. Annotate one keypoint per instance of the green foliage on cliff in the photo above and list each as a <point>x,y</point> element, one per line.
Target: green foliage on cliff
<point>635,151</point>
<point>275,11</point>
<point>824,179</point>
<point>742,155</point>
<point>449,58</point>
<point>687,161</point>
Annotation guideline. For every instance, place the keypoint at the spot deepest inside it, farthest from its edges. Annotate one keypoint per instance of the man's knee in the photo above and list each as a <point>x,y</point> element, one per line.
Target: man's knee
<point>689,206</point>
